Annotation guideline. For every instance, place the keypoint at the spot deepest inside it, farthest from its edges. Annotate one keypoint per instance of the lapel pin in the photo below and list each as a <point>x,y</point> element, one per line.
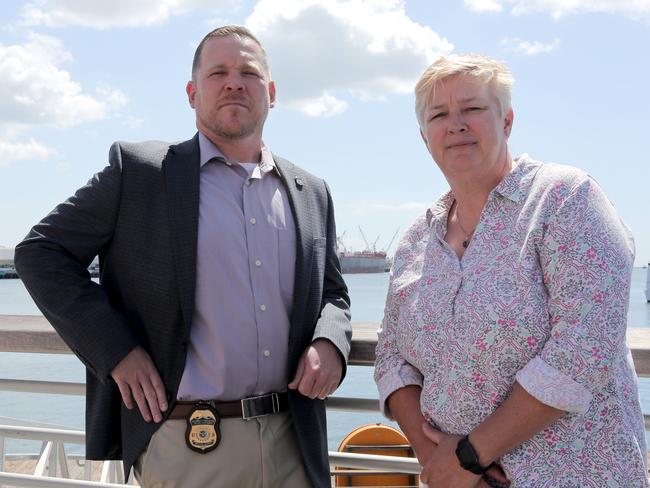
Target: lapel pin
<point>299,182</point>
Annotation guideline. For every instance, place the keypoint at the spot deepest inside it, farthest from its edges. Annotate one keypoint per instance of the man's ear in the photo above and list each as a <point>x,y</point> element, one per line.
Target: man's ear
<point>272,93</point>
<point>190,89</point>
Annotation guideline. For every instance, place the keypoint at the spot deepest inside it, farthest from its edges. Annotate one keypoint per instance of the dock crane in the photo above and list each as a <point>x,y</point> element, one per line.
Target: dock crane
<point>364,239</point>
<point>391,241</point>
<point>339,243</point>
<point>374,244</point>
<point>369,260</point>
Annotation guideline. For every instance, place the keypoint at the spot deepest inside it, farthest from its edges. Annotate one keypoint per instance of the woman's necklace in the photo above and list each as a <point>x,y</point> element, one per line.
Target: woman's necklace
<point>468,235</point>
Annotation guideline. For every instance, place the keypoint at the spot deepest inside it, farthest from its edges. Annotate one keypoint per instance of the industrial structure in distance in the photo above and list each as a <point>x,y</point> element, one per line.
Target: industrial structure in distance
<point>370,260</point>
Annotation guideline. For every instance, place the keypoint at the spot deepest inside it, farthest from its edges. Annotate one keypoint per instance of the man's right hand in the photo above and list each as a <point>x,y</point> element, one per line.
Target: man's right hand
<point>138,379</point>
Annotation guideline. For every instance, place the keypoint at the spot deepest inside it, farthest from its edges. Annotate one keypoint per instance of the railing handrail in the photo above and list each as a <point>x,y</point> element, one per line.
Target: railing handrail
<point>39,386</point>
<point>69,436</point>
<point>33,333</point>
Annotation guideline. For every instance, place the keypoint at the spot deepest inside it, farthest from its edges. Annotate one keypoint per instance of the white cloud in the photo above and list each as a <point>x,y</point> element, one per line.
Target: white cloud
<point>324,106</point>
<point>35,90</point>
<point>100,14</point>
<point>11,152</point>
<point>325,51</point>
<point>529,48</point>
<point>636,9</point>
<point>484,5</point>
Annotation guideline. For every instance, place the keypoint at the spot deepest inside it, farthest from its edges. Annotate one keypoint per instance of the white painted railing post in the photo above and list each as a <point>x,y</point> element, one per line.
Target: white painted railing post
<point>112,472</point>
<point>2,455</point>
<point>53,461</point>
<point>43,460</point>
<point>63,460</point>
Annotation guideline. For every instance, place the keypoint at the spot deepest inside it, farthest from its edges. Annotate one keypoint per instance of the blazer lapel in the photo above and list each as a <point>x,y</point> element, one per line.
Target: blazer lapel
<point>298,193</point>
<point>181,169</point>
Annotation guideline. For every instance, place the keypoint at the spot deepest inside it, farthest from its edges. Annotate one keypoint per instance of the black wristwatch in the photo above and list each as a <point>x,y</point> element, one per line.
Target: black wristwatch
<point>468,457</point>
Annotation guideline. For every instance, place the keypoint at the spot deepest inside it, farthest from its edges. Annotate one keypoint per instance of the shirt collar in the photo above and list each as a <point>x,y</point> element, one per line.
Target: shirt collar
<point>209,151</point>
<point>514,186</point>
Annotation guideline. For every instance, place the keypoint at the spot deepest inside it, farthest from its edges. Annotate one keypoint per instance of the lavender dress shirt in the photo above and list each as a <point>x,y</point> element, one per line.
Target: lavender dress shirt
<point>244,281</point>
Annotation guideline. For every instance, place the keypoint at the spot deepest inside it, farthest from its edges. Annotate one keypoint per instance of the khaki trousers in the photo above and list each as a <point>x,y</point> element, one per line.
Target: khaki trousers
<point>258,453</point>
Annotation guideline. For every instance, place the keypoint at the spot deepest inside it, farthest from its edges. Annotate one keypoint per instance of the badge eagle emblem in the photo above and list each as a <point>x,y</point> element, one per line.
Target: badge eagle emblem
<point>202,432</point>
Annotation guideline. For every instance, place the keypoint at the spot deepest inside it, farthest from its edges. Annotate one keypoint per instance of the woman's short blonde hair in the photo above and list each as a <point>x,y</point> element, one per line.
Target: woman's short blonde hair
<point>488,70</point>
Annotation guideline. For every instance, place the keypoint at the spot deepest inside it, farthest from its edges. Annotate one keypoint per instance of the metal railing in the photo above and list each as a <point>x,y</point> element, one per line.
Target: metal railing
<point>52,460</point>
<point>52,463</point>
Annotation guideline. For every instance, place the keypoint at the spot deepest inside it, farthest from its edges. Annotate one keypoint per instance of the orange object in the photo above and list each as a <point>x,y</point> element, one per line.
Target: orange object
<point>377,439</point>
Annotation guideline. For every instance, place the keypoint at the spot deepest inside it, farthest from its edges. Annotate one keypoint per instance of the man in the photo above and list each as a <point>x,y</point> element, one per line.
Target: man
<point>222,320</point>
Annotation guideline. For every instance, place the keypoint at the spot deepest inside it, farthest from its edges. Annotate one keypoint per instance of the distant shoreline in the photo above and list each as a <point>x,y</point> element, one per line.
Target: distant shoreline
<point>9,272</point>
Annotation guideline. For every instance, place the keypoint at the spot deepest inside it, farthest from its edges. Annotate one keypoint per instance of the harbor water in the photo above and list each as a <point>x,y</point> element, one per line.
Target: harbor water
<point>367,292</point>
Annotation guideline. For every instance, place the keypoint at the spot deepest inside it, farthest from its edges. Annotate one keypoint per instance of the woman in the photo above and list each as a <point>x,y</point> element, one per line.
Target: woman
<point>503,340</point>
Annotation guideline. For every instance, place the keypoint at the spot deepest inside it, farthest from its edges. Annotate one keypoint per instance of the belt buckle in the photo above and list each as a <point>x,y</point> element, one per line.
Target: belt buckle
<point>275,403</point>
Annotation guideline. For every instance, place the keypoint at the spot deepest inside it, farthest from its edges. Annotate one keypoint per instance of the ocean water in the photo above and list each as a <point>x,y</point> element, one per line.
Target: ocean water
<point>367,292</point>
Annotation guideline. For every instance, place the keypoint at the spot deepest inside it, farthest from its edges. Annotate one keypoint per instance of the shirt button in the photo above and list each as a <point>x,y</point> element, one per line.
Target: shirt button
<point>267,353</point>
<point>228,163</point>
<point>262,307</point>
<point>253,221</point>
<point>258,263</point>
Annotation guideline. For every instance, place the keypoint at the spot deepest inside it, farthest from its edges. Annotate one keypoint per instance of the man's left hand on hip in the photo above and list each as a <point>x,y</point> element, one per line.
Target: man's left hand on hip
<point>319,370</point>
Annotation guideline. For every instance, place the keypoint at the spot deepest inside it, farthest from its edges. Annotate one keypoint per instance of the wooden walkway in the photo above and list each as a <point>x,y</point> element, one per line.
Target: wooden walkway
<point>27,464</point>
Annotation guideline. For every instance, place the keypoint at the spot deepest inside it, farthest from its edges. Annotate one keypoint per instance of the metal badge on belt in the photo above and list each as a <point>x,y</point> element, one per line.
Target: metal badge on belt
<point>202,433</point>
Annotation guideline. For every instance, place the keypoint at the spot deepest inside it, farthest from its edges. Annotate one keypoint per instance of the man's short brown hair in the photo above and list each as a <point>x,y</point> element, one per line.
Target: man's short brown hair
<point>226,31</point>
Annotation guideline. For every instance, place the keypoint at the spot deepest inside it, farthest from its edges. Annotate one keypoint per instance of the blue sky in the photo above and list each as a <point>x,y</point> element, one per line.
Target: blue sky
<point>77,75</point>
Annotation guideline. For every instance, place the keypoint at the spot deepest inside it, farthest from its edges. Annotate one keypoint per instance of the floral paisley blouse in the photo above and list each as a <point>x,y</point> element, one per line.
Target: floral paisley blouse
<point>539,297</point>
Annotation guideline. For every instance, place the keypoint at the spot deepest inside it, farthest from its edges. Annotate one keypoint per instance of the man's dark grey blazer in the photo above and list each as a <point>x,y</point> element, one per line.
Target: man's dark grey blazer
<point>140,215</point>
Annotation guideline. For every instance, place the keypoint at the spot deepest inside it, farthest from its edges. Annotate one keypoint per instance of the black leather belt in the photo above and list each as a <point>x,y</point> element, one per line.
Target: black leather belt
<point>246,408</point>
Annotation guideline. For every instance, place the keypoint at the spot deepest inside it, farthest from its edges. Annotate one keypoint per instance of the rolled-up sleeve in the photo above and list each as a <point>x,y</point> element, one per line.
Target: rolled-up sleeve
<point>586,256</point>
<point>392,371</point>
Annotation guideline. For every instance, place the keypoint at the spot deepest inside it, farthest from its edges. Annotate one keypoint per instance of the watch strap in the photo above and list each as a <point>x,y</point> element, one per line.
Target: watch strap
<point>468,457</point>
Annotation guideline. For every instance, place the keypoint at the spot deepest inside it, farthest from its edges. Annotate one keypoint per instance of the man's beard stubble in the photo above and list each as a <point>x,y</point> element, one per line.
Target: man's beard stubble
<point>233,129</point>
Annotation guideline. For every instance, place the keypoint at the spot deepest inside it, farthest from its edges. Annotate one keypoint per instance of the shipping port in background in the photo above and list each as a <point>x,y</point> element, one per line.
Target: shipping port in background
<point>370,260</point>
